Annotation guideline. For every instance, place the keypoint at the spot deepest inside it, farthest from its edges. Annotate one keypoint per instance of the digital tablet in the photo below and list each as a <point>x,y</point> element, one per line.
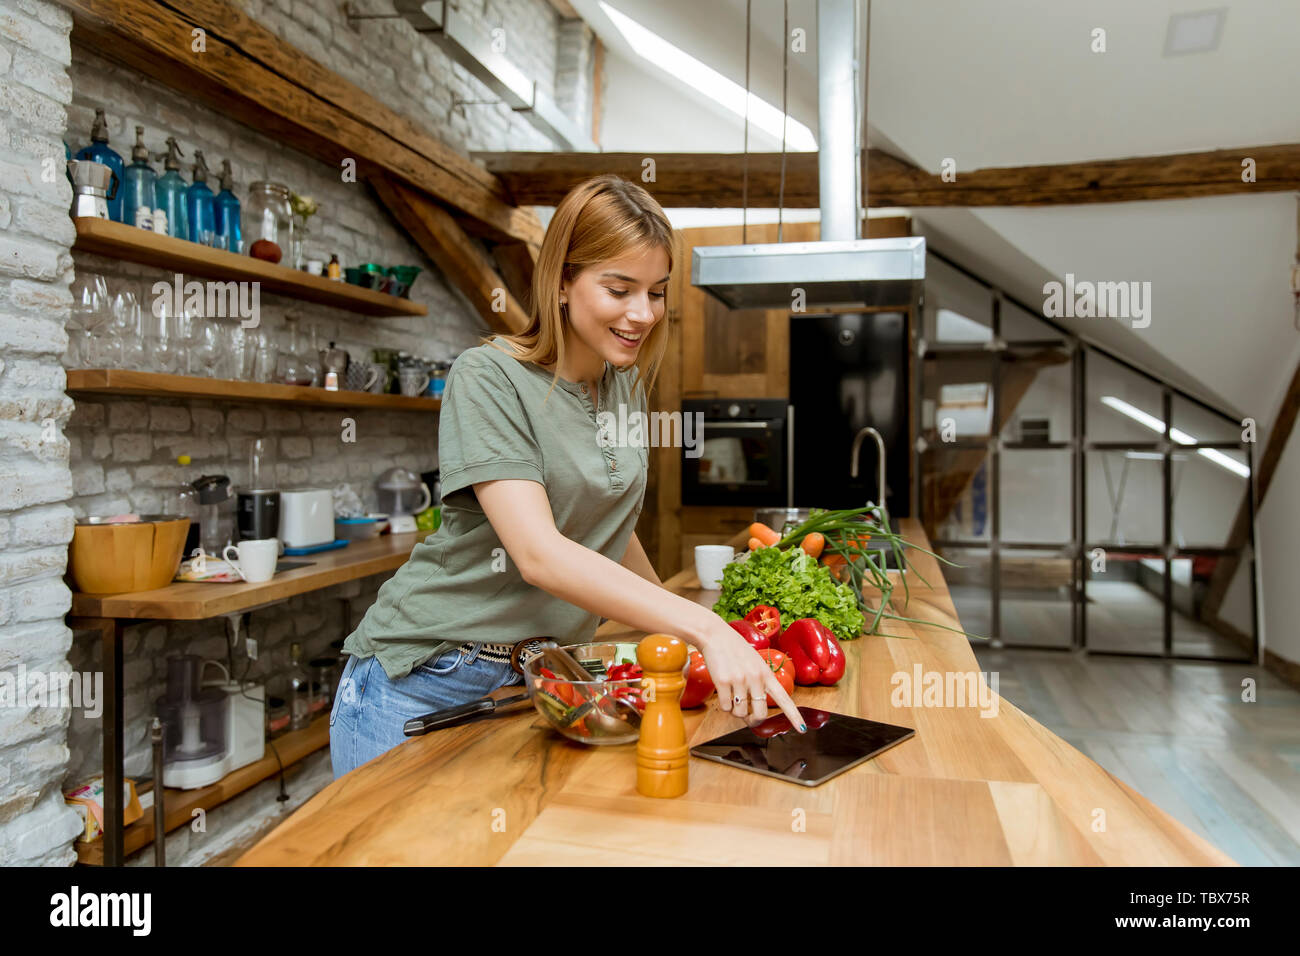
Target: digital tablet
<point>834,743</point>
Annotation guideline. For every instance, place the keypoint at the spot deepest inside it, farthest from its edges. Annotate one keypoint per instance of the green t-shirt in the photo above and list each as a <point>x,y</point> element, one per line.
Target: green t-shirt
<point>459,584</point>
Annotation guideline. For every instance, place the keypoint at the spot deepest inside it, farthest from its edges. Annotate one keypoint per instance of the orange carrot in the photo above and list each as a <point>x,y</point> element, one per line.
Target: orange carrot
<point>813,542</point>
<point>755,544</point>
<point>763,533</point>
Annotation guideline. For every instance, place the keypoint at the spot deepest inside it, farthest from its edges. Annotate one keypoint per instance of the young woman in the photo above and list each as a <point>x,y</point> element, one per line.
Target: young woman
<point>538,505</point>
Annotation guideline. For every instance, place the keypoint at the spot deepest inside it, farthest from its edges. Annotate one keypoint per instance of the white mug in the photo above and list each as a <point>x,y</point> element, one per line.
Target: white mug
<point>710,559</point>
<point>255,559</point>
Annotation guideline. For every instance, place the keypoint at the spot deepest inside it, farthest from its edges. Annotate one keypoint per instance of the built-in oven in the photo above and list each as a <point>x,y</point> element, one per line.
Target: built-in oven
<point>740,457</point>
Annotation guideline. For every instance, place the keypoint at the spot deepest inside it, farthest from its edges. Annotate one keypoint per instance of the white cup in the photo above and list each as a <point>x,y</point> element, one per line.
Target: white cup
<point>254,561</point>
<point>710,559</point>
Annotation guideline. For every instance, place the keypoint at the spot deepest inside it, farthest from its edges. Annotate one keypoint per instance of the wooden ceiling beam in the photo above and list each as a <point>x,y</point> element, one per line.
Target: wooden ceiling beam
<point>516,262</point>
<point>251,75</point>
<point>717,179</point>
<point>461,260</point>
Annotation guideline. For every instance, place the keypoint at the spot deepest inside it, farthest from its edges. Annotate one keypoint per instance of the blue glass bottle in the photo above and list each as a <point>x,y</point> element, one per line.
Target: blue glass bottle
<point>138,181</point>
<point>170,191</point>
<point>198,203</point>
<point>225,209</point>
<point>99,152</point>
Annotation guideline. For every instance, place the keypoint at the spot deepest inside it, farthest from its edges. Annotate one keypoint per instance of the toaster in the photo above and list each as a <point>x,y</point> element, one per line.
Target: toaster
<point>306,517</point>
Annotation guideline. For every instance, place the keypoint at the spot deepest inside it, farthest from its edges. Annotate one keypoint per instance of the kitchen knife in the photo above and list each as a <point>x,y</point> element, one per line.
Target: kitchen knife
<point>456,715</point>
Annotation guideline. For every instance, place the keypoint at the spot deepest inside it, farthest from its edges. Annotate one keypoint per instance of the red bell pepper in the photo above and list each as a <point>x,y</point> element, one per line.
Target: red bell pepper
<point>766,620</point>
<point>752,635</point>
<point>699,685</point>
<point>813,650</point>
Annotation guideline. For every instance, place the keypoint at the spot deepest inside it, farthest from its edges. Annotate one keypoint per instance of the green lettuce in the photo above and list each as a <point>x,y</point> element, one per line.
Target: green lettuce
<point>795,584</point>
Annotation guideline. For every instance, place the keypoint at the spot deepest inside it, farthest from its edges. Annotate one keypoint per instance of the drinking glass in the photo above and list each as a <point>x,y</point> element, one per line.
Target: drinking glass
<point>161,345</point>
<point>243,353</point>
<point>267,359</point>
<point>208,348</point>
<point>128,322</point>
<point>187,333</point>
<point>90,313</point>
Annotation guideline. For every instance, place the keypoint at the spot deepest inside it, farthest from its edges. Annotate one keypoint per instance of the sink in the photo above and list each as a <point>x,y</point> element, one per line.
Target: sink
<point>776,518</point>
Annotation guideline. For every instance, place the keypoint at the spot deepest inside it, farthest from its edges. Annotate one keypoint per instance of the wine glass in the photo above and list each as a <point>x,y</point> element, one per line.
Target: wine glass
<point>208,348</point>
<point>129,326</point>
<point>90,313</point>
<point>160,339</point>
<point>188,335</point>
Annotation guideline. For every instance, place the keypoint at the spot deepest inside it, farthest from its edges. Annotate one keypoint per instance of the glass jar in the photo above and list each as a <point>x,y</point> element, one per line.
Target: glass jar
<point>268,215</point>
<point>295,365</point>
<point>438,378</point>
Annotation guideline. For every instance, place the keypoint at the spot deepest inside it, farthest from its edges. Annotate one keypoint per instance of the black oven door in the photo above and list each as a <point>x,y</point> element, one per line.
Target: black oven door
<point>740,456</point>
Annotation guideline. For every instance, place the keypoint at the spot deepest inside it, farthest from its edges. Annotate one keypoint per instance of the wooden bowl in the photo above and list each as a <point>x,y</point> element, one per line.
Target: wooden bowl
<point>136,556</point>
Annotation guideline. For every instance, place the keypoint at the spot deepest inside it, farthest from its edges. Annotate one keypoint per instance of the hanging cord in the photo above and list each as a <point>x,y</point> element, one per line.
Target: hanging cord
<point>785,84</point>
<point>744,188</point>
<point>864,64</point>
<point>1295,269</point>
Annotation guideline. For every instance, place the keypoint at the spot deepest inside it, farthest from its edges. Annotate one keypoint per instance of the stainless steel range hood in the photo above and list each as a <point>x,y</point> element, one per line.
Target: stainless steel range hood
<point>841,268</point>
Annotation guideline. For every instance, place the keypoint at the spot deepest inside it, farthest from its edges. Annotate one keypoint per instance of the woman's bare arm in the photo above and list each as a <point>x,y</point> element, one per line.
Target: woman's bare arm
<point>520,514</point>
<point>635,559</point>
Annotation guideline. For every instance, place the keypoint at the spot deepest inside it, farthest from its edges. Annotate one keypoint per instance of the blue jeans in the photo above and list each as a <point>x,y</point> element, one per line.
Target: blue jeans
<point>369,709</point>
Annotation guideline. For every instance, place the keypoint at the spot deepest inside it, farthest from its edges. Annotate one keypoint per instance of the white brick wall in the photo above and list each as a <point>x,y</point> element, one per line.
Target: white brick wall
<point>36,827</point>
<point>120,454</point>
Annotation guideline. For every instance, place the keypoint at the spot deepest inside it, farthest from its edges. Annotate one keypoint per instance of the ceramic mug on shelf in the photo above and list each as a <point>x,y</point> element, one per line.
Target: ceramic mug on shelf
<point>412,381</point>
<point>363,377</point>
<point>254,561</point>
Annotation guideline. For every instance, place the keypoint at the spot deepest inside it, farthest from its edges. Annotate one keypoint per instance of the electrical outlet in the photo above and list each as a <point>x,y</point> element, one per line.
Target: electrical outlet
<point>250,645</point>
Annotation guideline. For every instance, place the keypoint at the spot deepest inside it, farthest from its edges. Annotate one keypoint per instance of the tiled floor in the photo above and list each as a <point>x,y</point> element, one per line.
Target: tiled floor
<point>1180,734</point>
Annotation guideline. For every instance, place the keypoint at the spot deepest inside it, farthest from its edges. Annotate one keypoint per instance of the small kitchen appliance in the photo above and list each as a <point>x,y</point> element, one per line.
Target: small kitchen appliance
<point>306,517</point>
<point>402,495</point>
<point>212,728</point>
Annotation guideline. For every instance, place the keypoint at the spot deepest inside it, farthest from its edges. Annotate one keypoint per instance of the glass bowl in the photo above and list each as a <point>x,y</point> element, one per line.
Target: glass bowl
<point>606,711</point>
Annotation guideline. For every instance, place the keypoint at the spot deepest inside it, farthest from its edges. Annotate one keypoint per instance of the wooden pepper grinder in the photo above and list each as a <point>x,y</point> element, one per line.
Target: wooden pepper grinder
<point>661,752</point>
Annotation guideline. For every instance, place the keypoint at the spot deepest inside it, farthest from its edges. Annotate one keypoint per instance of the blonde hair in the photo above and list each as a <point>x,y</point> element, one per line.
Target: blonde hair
<point>606,217</point>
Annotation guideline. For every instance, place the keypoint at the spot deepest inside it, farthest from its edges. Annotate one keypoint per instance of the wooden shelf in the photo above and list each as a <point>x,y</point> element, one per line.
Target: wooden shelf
<point>121,241</point>
<point>110,381</point>
<point>180,804</point>
<point>198,600</point>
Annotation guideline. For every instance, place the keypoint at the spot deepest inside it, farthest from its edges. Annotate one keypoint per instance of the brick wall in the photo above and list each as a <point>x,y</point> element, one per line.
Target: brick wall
<point>35,522</point>
<point>120,455</point>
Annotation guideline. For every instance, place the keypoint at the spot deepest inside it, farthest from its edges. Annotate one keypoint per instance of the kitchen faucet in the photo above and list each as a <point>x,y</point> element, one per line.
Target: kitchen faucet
<point>853,461</point>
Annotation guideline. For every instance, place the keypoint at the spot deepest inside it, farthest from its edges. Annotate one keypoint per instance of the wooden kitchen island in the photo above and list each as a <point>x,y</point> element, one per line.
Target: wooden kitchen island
<point>966,789</point>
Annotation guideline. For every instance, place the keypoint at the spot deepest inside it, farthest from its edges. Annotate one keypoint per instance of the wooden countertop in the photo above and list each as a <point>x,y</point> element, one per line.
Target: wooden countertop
<point>197,600</point>
<point>965,790</point>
